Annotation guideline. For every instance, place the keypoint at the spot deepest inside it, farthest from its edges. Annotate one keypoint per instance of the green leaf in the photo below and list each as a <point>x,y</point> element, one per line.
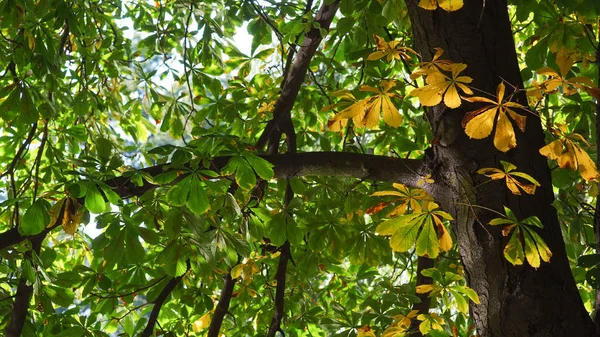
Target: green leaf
<point>165,178</point>
<point>114,252</point>
<point>173,223</point>
<point>36,218</point>
<point>244,174</point>
<point>134,252</point>
<point>111,195</point>
<point>262,167</point>
<point>588,261</point>
<point>427,243</point>
<point>198,201</point>
<point>59,295</point>
<point>178,195</point>
<point>94,201</point>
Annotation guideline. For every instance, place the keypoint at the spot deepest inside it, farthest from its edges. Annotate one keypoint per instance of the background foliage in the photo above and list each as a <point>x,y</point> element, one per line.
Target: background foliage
<point>92,90</point>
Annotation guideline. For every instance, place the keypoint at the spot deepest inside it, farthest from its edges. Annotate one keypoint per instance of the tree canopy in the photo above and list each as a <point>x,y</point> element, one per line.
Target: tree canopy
<point>272,168</point>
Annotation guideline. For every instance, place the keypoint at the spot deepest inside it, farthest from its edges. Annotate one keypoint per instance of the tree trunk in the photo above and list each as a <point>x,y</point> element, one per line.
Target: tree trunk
<point>515,300</point>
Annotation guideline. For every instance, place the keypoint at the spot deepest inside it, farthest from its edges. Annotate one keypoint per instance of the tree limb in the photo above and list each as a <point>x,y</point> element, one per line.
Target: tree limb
<point>23,295</point>
<point>313,164</point>
<point>304,164</point>
<point>160,300</point>
<point>280,277</point>
<point>294,79</point>
<point>423,306</point>
<point>223,306</point>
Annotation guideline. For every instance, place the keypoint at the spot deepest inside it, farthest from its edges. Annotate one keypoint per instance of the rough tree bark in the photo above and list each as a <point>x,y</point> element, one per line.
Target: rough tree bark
<point>515,300</point>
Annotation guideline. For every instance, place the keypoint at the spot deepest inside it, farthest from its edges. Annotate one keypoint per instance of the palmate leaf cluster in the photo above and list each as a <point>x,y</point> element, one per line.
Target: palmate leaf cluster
<point>92,90</point>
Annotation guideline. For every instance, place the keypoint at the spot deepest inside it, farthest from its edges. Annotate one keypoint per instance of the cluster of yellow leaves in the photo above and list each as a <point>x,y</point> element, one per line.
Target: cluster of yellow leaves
<point>570,86</point>
<point>447,5</point>
<point>401,323</point>
<point>445,286</point>
<point>266,107</point>
<point>68,211</point>
<point>391,50</point>
<point>366,112</point>
<point>248,268</point>
<point>478,124</point>
<point>509,174</point>
<point>366,331</point>
<point>570,155</point>
<point>524,242</point>
<point>439,85</point>
<point>407,199</point>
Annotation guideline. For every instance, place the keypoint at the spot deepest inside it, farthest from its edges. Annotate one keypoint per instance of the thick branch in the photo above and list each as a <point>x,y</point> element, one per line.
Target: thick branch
<point>223,306</point>
<point>335,164</point>
<point>23,296</point>
<point>315,164</point>
<point>295,78</point>
<point>160,300</point>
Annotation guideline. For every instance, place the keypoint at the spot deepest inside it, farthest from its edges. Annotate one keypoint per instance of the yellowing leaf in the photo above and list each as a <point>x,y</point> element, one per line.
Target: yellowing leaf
<point>366,331</point>
<point>406,197</point>
<point>524,242</point>
<point>510,177</point>
<point>450,5</point>
<point>428,4</point>
<point>202,323</point>
<point>424,288</point>
<point>68,210</point>
<point>430,322</point>
<point>572,156</point>
<point>441,86</point>
<point>420,227</point>
<point>447,5</point>
<point>391,50</point>
<point>569,86</point>
<point>432,67</point>
<point>479,123</point>
<point>366,112</point>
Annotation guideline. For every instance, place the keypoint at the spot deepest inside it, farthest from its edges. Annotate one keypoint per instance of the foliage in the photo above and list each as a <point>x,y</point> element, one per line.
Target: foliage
<point>114,116</point>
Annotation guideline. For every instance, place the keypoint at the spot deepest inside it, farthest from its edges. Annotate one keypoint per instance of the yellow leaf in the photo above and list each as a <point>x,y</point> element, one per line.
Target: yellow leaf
<point>366,331</point>
<point>424,288</point>
<point>452,98</point>
<point>202,323</point>
<point>336,125</point>
<point>445,239</point>
<point>447,5</point>
<point>372,116</point>
<point>440,85</point>
<point>390,113</point>
<point>428,4</point>
<point>587,168</point>
<point>237,271</point>
<point>392,50</point>
<point>481,125</point>
<point>450,5</point>
<point>505,138</point>
<point>571,156</point>
<point>552,150</point>
<point>376,55</point>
